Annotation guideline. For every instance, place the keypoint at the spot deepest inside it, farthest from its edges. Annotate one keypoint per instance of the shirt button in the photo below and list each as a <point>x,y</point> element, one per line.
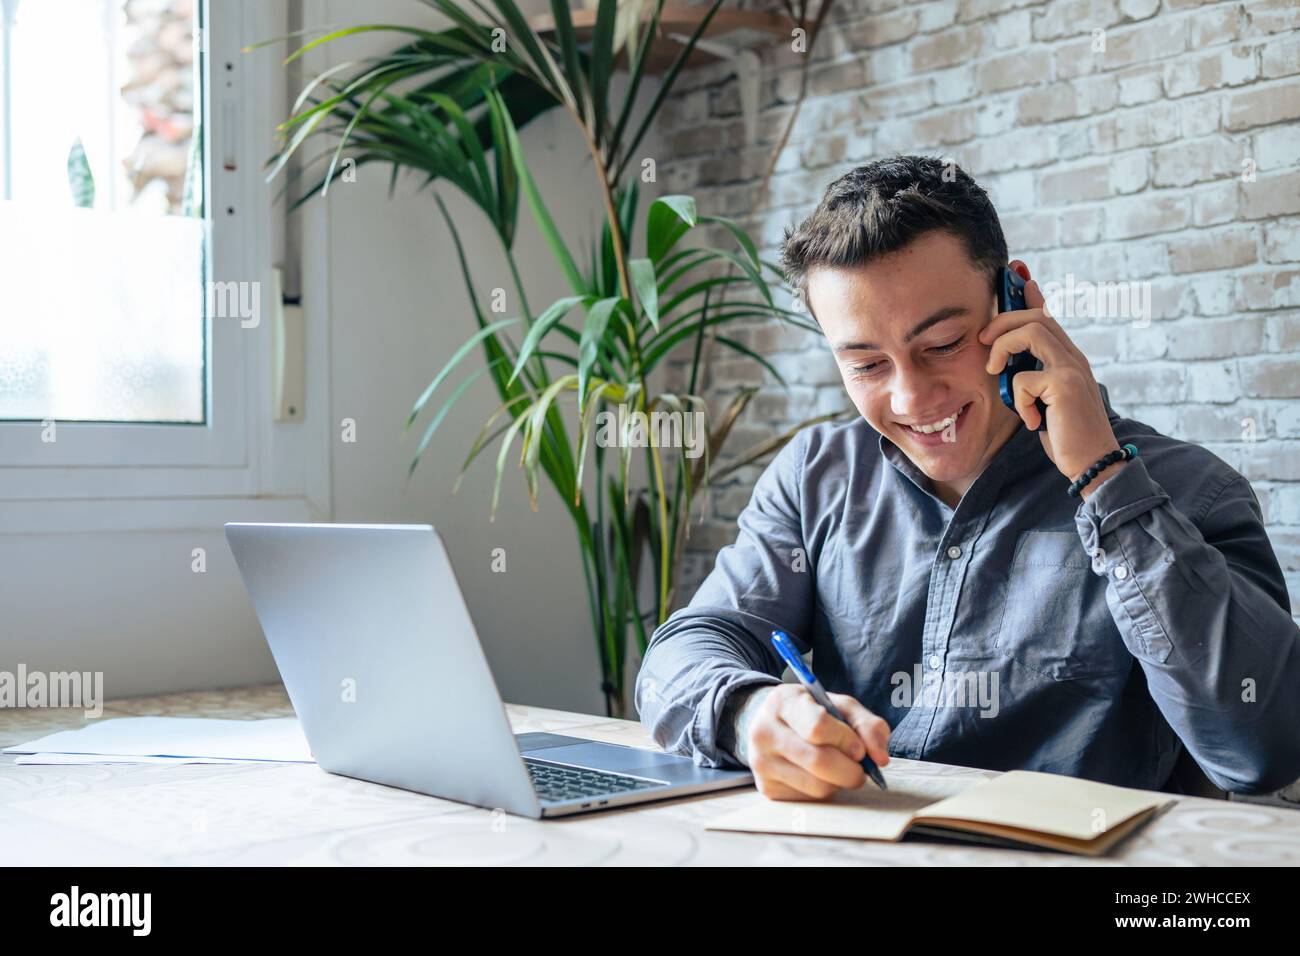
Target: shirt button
<point>954,552</point>
<point>935,662</point>
<point>1121,572</point>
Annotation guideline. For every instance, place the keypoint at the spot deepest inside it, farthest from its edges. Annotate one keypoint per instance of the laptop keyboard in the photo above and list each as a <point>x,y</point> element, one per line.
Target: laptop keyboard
<point>554,781</point>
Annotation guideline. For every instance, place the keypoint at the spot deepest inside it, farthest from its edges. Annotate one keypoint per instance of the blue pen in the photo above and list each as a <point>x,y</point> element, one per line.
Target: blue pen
<point>790,654</point>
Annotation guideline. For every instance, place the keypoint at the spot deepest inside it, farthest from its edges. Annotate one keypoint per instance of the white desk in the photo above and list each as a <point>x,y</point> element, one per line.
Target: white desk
<point>128,814</point>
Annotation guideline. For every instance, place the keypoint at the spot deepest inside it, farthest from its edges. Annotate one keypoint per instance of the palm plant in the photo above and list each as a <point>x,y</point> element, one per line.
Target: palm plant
<point>447,105</point>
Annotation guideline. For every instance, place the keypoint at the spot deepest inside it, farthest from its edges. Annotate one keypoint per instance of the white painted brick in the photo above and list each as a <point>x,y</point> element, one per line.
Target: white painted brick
<point>1278,460</point>
<point>1280,57</point>
<point>1214,25</point>
<point>1277,149</point>
<point>936,16</point>
<point>1284,332</point>
<point>1143,383</point>
<point>1286,424</point>
<point>1286,504</point>
<point>1214,295</point>
<point>1129,173</point>
<point>992,156</point>
<point>1012,30</point>
<point>1211,250</point>
<point>1163,418</point>
<point>1075,141</point>
<point>1272,376</point>
<point>1209,338</point>
<point>1058,101</point>
<point>1076,183</point>
<point>1201,160</point>
<point>1275,102</point>
<point>979,9</point>
<point>1081,225</point>
<point>1200,117</point>
<point>1145,214</point>
<point>813,367</point>
<point>889,64</point>
<point>830,400</point>
<point>1014,190</point>
<point>1272,16</point>
<point>880,30</point>
<point>1072,17</point>
<point>1079,58</point>
<point>1101,344</point>
<point>1212,382</point>
<point>1282,241</point>
<point>1269,289</point>
<point>954,85</point>
<point>1144,43</point>
<point>1171,299</point>
<point>1202,423</point>
<point>994,117</point>
<point>1226,66</point>
<point>1146,342</point>
<point>1130,128</point>
<point>1138,9</point>
<point>1214,204</point>
<point>1139,84</point>
<point>1031,231</point>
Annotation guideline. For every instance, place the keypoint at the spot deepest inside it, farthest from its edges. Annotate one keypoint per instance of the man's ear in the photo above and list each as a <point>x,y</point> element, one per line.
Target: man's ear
<point>1033,292</point>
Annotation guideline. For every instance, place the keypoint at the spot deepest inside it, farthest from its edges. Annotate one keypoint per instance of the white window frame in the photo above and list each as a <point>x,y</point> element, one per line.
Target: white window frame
<point>236,465</point>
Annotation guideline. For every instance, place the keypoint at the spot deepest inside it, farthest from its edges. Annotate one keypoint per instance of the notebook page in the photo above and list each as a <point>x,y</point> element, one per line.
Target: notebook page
<point>867,813</point>
<point>1046,802</point>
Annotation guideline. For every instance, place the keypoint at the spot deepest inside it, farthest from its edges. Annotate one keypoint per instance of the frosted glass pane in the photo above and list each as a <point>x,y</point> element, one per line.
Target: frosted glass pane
<point>101,316</point>
<point>101,229</point>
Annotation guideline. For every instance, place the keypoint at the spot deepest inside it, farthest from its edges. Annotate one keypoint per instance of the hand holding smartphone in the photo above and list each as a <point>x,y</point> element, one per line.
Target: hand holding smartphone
<point>1011,298</point>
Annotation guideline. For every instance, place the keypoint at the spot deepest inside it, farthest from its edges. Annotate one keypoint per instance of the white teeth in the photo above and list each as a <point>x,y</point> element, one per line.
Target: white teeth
<point>937,426</point>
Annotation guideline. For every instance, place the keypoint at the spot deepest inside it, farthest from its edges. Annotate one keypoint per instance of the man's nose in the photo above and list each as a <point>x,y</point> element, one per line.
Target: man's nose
<point>912,393</point>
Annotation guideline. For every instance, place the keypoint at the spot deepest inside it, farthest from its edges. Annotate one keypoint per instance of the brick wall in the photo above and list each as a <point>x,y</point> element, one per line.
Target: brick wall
<point>1172,157</point>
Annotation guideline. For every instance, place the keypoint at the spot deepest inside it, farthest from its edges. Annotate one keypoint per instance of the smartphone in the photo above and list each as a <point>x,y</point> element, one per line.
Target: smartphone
<point>1011,298</point>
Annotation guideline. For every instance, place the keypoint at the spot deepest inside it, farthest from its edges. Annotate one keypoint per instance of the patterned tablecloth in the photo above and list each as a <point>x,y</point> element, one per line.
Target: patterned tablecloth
<point>248,814</point>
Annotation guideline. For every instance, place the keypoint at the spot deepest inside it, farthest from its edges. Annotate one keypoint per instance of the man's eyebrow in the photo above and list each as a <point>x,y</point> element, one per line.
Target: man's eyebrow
<point>948,312</point>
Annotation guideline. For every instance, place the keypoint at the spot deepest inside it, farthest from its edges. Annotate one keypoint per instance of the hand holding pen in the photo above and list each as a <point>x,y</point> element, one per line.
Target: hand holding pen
<point>796,749</point>
<point>791,654</point>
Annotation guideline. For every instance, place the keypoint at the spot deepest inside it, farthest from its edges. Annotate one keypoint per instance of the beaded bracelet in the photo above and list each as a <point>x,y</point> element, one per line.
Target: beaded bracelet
<point>1123,453</point>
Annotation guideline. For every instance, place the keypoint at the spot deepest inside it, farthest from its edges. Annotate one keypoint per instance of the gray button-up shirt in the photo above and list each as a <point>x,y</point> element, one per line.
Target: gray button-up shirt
<point>1022,629</point>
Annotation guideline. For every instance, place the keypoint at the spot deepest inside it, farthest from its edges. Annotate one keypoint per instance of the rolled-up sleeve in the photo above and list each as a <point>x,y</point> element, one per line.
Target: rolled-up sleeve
<point>719,643</point>
<point>1203,607</point>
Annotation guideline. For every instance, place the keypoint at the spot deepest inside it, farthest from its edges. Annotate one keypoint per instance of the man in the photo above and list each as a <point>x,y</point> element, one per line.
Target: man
<point>932,546</point>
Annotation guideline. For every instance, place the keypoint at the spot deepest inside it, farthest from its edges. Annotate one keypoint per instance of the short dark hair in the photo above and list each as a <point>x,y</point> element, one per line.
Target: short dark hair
<point>883,206</point>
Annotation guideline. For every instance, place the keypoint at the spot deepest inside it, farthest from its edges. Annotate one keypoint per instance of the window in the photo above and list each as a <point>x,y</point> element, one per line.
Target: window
<point>101,228</point>
<point>137,236</point>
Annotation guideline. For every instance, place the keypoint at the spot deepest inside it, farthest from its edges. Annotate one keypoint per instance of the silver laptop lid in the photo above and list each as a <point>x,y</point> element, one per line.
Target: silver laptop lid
<point>381,660</point>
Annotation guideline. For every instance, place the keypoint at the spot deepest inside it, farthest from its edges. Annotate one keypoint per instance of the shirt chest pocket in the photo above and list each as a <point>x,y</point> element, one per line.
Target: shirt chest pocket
<point>1055,619</point>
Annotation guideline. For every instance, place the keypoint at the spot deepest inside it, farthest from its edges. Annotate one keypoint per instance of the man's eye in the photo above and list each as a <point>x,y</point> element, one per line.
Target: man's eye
<point>950,346</point>
<point>864,369</point>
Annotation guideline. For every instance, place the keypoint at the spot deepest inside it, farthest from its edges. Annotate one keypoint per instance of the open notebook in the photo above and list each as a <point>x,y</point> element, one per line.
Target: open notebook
<point>1017,809</point>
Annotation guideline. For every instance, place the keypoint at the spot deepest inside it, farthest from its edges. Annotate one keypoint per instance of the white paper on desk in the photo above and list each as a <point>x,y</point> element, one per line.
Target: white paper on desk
<point>46,759</point>
<point>277,739</point>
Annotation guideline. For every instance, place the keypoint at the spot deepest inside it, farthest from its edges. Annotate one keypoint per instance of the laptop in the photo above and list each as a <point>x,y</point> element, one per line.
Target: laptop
<point>386,673</point>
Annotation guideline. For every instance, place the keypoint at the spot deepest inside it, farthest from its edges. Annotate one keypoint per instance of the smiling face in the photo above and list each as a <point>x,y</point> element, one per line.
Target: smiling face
<point>903,329</point>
